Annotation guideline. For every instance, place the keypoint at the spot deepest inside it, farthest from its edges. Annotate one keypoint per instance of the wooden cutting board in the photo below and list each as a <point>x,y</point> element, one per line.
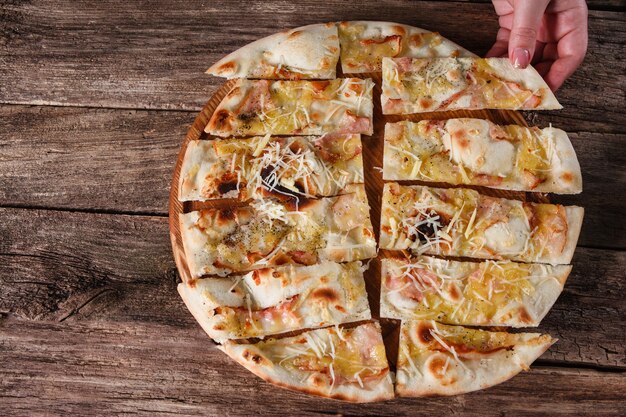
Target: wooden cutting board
<point>372,158</point>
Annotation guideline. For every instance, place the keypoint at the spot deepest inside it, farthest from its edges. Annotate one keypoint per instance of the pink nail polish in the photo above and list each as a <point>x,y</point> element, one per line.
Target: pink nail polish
<point>521,58</point>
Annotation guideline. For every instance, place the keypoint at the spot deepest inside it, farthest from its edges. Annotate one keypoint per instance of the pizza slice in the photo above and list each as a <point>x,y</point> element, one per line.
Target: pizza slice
<point>469,293</point>
<point>345,364</point>
<point>277,300</point>
<point>478,152</point>
<point>365,43</point>
<point>418,85</point>
<point>437,359</point>
<point>308,52</point>
<point>270,166</point>
<point>270,232</point>
<point>260,107</point>
<point>462,222</point>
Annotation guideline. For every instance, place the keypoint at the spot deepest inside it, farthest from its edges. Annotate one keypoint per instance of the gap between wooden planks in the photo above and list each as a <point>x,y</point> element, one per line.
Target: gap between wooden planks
<point>84,267</point>
<point>84,53</point>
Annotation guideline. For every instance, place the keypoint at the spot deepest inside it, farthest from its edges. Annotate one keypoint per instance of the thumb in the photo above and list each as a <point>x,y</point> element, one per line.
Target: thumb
<point>527,17</point>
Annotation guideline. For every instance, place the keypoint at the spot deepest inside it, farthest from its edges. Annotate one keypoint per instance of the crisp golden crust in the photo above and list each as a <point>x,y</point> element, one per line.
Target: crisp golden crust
<point>345,364</point>
<point>462,222</point>
<point>479,152</point>
<point>307,52</point>
<point>469,293</point>
<point>270,232</point>
<point>365,43</point>
<point>436,359</point>
<point>307,166</point>
<point>276,300</point>
<point>260,107</point>
<point>426,85</point>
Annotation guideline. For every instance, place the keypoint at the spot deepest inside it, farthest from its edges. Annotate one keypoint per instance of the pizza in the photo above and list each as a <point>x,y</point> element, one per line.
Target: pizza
<point>308,52</point>
<point>365,43</point>
<point>463,222</point>
<point>308,166</point>
<point>479,152</point>
<point>261,107</point>
<point>418,85</point>
<point>268,233</point>
<point>437,359</point>
<point>488,293</point>
<point>271,223</point>
<point>343,363</point>
<point>270,301</point>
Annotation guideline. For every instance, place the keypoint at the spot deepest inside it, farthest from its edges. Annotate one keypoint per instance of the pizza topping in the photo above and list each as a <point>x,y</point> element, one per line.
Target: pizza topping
<point>461,83</point>
<point>295,107</point>
<point>487,293</point>
<point>478,152</point>
<point>461,222</point>
<point>364,44</point>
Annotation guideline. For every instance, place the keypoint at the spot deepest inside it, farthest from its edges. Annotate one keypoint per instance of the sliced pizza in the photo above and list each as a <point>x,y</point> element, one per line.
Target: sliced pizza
<point>345,364</point>
<point>270,232</point>
<point>308,166</point>
<point>462,222</point>
<point>276,300</point>
<point>437,359</point>
<point>308,52</point>
<point>417,85</point>
<point>365,43</point>
<point>479,152</point>
<point>261,107</point>
<point>489,293</point>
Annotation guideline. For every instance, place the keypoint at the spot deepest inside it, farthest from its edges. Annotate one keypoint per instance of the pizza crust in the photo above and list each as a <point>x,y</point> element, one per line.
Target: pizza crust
<point>277,300</point>
<point>469,293</point>
<point>263,360</point>
<point>424,371</point>
<point>418,85</point>
<point>307,52</point>
<point>478,152</point>
<point>261,107</point>
<point>270,233</point>
<point>258,167</point>
<point>365,43</point>
<point>418,218</point>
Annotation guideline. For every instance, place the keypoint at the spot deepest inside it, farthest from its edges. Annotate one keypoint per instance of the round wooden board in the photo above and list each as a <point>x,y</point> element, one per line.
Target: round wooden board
<point>372,157</point>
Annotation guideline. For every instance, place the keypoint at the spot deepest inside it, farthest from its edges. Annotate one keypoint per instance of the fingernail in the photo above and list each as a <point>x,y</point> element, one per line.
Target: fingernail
<point>521,58</point>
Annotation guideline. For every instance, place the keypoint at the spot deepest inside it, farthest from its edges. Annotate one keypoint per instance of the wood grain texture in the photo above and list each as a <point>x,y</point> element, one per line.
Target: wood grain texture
<point>153,55</point>
<point>141,368</point>
<point>122,161</point>
<point>53,267</point>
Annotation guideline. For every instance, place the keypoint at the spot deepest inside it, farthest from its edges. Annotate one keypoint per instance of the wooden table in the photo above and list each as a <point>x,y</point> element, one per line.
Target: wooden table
<point>96,98</point>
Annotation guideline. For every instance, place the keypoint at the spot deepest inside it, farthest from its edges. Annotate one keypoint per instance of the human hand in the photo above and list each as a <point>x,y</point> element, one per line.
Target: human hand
<point>551,35</point>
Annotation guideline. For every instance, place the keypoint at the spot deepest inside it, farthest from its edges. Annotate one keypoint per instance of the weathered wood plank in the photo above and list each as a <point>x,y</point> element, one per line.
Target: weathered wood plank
<point>123,161</point>
<point>82,267</point>
<point>89,158</point>
<point>140,368</point>
<point>147,55</point>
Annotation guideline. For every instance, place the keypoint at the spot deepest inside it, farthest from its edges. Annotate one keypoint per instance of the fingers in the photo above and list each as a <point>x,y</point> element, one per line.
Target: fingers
<point>501,46</point>
<point>526,23</point>
<point>571,51</point>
